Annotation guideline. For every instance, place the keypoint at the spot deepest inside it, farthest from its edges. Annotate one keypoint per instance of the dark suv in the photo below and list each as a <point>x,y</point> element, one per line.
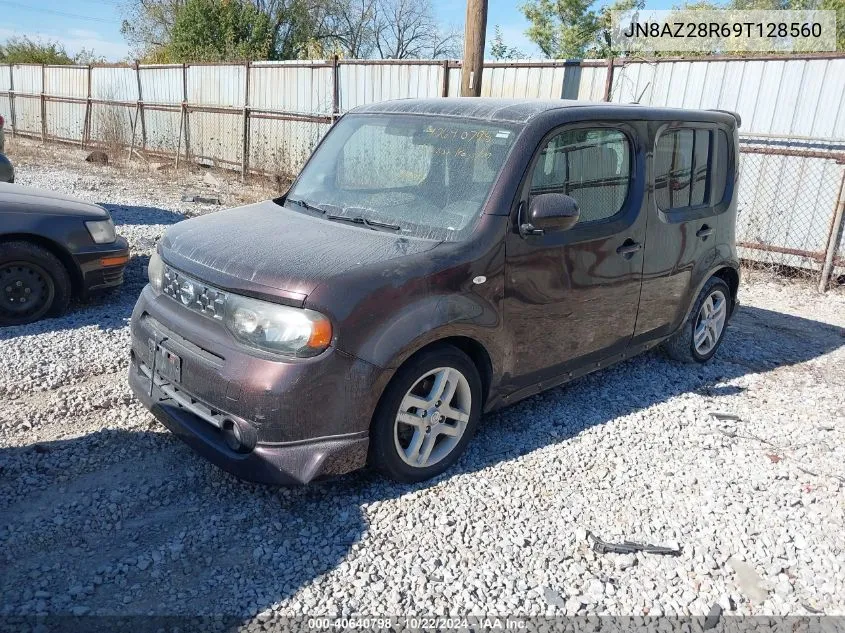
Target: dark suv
<point>436,260</point>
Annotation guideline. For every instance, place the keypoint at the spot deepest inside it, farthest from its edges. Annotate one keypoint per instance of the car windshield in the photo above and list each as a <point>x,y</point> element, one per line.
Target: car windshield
<point>422,176</point>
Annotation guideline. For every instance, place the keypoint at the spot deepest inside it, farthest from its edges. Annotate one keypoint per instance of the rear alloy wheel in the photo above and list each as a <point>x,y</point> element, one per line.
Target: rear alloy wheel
<point>710,322</point>
<point>427,415</point>
<point>700,337</point>
<point>33,283</point>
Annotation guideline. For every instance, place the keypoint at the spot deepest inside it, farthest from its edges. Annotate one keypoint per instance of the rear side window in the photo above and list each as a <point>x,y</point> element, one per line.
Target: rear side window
<point>593,166</point>
<point>722,156</point>
<point>685,163</point>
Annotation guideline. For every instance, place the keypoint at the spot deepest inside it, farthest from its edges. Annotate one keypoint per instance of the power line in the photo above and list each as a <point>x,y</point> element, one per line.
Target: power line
<point>63,14</point>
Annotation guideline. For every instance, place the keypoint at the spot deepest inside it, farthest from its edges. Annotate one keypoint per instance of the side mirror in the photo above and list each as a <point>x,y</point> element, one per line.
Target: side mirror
<point>550,212</point>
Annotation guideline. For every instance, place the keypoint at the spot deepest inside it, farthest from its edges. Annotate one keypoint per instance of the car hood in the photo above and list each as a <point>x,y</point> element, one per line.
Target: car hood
<point>268,249</point>
<point>29,200</point>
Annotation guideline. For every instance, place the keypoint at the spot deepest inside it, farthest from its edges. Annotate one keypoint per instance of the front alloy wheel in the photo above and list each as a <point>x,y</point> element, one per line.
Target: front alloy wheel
<point>427,415</point>
<point>433,417</point>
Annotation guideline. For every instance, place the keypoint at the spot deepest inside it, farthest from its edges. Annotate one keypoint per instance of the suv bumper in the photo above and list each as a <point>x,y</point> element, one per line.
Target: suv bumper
<point>308,417</point>
<point>287,464</point>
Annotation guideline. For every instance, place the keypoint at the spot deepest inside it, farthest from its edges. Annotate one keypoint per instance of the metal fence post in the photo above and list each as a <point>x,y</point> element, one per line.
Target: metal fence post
<point>444,90</point>
<point>43,104</point>
<point>833,237</point>
<point>245,139</point>
<point>185,112</point>
<point>12,114</point>
<point>335,87</point>
<point>608,80</point>
<point>141,106</point>
<point>86,120</point>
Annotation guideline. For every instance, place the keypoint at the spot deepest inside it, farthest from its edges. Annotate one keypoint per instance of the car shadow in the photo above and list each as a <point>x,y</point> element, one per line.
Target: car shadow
<point>116,519</point>
<point>139,215</point>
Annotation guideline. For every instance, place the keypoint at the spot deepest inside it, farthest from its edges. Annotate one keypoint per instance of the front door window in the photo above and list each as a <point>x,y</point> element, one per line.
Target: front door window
<point>591,165</point>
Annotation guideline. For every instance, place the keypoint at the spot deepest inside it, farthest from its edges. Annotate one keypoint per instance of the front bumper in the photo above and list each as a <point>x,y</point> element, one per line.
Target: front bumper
<point>103,266</point>
<point>310,416</point>
<point>294,463</point>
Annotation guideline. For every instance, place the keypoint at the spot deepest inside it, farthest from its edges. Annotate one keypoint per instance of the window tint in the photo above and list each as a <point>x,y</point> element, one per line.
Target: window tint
<point>592,166</point>
<point>700,176</point>
<point>673,169</point>
<point>722,165</point>
<point>683,162</point>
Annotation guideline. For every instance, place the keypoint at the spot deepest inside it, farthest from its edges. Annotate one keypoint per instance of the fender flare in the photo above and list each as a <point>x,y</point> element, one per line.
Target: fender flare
<point>705,278</point>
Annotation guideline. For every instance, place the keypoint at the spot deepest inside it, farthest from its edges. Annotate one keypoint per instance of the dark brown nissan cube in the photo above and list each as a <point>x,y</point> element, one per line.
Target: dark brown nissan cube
<point>436,260</point>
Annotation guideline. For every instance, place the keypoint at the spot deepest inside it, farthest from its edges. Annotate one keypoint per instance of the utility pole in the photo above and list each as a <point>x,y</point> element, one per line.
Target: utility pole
<point>474,36</point>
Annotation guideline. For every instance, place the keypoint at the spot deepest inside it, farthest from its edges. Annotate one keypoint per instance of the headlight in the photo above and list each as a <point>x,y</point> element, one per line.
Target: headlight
<point>277,328</point>
<point>102,231</point>
<point>155,272</point>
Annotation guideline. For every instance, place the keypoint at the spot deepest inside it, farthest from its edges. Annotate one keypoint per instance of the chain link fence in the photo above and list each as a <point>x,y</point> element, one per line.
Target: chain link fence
<point>790,195</point>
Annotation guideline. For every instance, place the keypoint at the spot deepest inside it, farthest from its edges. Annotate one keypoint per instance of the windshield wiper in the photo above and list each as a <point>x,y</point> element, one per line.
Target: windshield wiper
<point>370,224</point>
<point>305,205</point>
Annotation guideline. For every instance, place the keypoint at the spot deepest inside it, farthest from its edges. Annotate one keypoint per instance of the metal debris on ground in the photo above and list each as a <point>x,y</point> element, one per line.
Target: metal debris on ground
<point>630,547</point>
<point>722,416</point>
<point>201,199</point>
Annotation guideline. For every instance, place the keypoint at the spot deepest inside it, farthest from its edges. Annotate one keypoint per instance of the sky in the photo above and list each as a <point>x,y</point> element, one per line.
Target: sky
<point>95,24</point>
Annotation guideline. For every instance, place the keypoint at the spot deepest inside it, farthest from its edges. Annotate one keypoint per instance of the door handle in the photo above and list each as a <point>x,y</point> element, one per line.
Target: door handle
<point>628,248</point>
<point>704,232</point>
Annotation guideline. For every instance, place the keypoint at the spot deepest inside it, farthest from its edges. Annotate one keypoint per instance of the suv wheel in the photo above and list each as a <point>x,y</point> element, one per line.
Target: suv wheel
<point>700,337</point>
<point>427,415</point>
<point>33,283</point>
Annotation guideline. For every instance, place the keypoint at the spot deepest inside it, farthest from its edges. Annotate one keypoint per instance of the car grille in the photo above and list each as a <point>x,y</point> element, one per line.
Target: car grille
<point>113,275</point>
<point>194,294</point>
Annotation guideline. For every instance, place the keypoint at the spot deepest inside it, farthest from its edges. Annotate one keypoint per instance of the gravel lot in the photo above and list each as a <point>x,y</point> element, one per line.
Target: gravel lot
<point>104,512</point>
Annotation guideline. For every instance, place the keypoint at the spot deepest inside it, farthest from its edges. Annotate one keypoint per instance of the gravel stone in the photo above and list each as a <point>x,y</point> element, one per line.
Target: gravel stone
<point>91,481</point>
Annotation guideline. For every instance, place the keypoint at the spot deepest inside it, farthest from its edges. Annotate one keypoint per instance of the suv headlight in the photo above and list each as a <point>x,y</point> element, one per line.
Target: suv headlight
<point>155,272</point>
<point>277,328</point>
<point>102,231</point>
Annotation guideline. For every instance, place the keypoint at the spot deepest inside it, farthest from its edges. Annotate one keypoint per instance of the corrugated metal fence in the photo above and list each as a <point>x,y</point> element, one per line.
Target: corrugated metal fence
<point>268,116</point>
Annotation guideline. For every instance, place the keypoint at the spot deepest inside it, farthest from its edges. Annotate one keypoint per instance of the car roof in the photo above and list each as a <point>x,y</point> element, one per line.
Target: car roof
<point>523,110</point>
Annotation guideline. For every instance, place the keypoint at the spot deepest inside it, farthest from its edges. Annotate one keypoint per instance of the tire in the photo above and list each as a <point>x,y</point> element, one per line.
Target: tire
<point>392,441</point>
<point>681,346</point>
<point>34,276</point>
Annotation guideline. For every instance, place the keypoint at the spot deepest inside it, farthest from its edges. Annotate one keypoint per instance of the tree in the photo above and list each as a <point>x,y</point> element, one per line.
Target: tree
<point>604,46</point>
<point>408,29</point>
<point>219,30</point>
<point>23,50</point>
<point>355,34</point>
<point>500,50</point>
<point>295,25</point>
<point>562,28</point>
<point>298,29</point>
<point>88,57</point>
<point>148,25</point>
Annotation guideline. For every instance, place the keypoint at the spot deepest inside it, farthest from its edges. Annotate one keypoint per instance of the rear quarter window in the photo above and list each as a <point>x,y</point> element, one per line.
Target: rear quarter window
<point>690,168</point>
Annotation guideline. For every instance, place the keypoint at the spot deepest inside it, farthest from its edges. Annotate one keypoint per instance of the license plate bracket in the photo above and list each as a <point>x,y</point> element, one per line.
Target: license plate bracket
<point>165,363</point>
